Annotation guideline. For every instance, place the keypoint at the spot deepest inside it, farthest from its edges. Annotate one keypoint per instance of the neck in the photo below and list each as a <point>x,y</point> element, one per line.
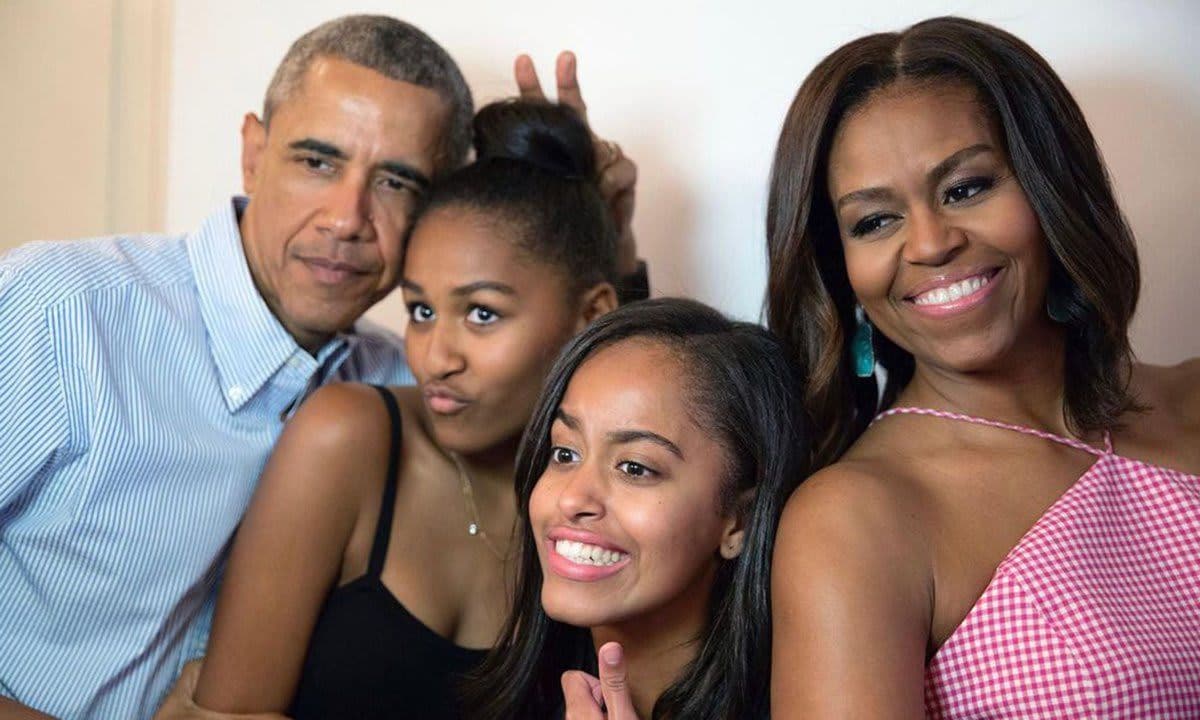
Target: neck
<point>659,645</point>
<point>1026,387</point>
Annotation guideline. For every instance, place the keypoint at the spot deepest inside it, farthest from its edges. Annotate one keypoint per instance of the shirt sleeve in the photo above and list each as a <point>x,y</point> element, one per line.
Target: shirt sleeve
<point>33,412</point>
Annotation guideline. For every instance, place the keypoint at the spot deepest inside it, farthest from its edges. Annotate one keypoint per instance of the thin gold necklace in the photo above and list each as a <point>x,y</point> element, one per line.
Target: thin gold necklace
<point>474,527</point>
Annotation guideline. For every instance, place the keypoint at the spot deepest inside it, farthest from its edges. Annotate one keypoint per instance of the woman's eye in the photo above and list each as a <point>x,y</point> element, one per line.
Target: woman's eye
<point>481,315</point>
<point>562,456</point>
<point>871,223</point>
<point>967,190</point>
<point>635,469</point>
<point>420,312</point>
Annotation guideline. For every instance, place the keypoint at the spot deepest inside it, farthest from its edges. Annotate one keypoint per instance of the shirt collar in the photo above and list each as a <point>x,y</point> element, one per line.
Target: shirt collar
<point>248,343</point>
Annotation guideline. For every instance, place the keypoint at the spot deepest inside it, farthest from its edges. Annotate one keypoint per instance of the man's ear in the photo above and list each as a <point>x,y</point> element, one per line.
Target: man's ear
<point>254,147</point>
<point>733,537</point>
<point>597,300</point>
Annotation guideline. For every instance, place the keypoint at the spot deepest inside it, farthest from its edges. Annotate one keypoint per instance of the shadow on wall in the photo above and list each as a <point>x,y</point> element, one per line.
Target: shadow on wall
<point>1147,134</point>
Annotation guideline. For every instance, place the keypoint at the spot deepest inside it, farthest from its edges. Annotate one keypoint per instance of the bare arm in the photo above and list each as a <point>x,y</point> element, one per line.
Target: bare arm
<point>289,549</point>
<point>13,710</point>
<point>850,604</point>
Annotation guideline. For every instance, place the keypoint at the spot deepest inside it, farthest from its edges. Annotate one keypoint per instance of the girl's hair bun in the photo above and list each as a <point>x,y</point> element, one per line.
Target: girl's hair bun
<point>549,136</point>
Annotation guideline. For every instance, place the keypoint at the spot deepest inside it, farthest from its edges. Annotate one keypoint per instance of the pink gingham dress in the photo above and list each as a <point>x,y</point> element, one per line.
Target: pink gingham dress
<point>1095,613</point>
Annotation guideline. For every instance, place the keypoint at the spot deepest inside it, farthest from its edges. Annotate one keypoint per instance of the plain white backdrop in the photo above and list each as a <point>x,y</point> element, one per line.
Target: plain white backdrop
<point>695,92</point>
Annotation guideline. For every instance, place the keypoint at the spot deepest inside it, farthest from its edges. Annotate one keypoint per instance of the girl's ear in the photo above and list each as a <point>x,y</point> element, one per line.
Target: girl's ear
<point>734,534</point>
<point>597,300</point>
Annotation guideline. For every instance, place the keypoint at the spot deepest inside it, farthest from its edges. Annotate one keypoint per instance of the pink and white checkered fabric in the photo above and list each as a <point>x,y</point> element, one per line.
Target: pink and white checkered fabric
<point>1095,613</point>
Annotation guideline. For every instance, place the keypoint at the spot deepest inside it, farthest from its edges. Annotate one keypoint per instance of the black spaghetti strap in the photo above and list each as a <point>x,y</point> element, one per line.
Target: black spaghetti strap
<point>383,528</point>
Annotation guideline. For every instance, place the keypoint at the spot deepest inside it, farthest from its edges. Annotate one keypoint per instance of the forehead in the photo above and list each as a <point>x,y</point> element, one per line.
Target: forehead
<point>361,111</point>
<point>635,383</point>
<point>906,128</point>
<point>453,246</point>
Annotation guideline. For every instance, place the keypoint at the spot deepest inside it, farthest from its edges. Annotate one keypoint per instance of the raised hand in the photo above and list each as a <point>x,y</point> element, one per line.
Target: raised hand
<point>618,174</point>
<point>603,698</point>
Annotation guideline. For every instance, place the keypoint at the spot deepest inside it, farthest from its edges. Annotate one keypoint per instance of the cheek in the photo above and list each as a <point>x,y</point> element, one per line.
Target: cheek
<point>675,537</point>
<point>870,269</point>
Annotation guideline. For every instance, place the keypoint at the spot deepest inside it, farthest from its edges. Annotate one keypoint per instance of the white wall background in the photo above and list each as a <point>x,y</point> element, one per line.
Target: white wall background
<point>696,91</point>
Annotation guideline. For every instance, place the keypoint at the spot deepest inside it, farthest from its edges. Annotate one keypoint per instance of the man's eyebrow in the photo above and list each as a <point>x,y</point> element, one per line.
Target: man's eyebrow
<point>393,167</point>
<point>320,147</point>
<point>622,437</point>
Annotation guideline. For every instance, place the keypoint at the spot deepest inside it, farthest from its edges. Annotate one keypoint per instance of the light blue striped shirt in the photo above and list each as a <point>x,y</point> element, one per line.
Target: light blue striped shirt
<point>143,381</point>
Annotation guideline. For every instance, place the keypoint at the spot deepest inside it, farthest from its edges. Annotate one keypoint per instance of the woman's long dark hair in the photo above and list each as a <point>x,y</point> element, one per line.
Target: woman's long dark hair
<point>1094,265</point>
<point>742,388</point>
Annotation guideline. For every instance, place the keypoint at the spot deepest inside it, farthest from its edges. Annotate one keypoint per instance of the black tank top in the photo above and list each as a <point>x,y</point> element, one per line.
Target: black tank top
<point>369,657</point>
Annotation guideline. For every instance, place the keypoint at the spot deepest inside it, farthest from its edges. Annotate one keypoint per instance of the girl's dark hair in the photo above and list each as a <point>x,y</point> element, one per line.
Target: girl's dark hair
<point>744,390</point>
<point>1094,265</point>
<point>535,171</point>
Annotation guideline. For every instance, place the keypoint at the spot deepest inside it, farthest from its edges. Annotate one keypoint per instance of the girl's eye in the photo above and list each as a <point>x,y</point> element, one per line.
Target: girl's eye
<point>482,315</point>
<point>967,190</point>
<point>871,223</point>
<point>420,312</point>
<point>635,469</point>
<point>562,456</point>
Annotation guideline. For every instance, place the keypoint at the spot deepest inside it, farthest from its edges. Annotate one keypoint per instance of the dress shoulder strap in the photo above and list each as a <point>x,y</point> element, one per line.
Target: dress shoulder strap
<point>1069,442</point>
<point>383,527</point>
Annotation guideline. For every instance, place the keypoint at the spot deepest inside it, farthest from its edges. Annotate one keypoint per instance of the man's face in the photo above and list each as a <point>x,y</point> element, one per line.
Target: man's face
<point>333,183</point>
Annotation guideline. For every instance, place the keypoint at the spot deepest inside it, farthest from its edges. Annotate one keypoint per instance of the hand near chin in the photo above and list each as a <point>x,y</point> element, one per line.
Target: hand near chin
<point>179,704</point>
<point>618,174</point>
<point>606,697</point>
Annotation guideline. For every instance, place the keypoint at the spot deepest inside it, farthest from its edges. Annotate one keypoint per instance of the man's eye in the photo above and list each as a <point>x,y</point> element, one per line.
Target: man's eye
<point>482,315</point>
<point>395,184</point>
<point>420,312</point>
<point>562,456</point>
<point>316,163</point>
<point>635,469</point>
<point>967,190</point>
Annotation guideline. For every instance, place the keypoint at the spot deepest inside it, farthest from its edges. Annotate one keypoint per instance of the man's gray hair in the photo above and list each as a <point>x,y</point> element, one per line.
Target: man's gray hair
<point>393,48</point>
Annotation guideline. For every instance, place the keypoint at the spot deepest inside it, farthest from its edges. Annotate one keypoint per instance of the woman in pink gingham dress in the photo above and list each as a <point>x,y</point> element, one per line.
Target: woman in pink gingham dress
<point>1018,536</point>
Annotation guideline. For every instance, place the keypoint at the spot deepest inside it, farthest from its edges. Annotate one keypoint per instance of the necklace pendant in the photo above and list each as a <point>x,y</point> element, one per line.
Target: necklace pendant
<point>473,529</point>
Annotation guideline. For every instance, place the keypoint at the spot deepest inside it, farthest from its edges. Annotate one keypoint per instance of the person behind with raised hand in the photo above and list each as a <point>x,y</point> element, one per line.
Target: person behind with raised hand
<point>373,567</point>
<point>649,483</point>
<point>1008,527</point>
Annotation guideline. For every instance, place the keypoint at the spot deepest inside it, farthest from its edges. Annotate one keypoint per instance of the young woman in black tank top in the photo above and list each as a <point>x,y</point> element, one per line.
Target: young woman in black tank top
<point>373,568</point>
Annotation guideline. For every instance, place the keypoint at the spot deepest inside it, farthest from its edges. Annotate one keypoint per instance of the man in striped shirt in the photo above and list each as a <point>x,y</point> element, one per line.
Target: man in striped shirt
<point>144,379</point>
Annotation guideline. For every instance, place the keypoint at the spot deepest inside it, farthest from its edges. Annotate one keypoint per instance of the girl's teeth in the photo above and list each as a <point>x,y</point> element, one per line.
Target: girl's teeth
<point>585,554</point>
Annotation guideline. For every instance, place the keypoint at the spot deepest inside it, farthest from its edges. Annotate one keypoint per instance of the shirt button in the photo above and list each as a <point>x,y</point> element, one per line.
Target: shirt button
<point>237,394</point>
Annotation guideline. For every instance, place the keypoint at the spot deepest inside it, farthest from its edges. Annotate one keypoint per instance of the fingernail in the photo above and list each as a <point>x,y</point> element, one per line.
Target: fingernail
<point>611,655</point>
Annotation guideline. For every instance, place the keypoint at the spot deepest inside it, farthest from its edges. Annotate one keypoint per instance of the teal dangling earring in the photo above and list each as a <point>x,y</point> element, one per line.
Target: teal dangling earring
<point>862,348</point>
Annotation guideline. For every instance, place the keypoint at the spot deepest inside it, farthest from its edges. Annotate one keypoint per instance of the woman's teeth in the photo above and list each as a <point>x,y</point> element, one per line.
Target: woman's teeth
<point>951,293</point>
<point>584,554</point>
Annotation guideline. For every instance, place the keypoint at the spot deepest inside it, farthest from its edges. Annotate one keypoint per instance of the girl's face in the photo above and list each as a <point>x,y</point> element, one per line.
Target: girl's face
<point>627,516</point>
<point>942,248</point>
<point>485,324</point>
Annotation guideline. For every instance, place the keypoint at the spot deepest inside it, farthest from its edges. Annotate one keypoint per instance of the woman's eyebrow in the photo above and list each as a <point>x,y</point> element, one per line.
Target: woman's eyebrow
<point>947,166</point>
